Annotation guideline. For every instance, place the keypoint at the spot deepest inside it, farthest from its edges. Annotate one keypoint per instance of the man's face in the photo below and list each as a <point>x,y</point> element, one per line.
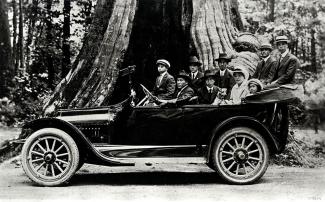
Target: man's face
<point>223,64</point>
<point>161,68</point>
<point>265,53</point>
<point>193,68</point>
<point>282,46</point>
<point>209,82</point>
<point>181,82</point>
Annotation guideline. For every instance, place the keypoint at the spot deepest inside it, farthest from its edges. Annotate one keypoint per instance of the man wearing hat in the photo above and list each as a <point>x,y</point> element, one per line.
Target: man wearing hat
<point>224,78</point>
<point>183,93</point>
<point>195,74</point>
<point>267,63</point>
<point>165,83</point>
<point>288,64</point>
<point>208,93</point>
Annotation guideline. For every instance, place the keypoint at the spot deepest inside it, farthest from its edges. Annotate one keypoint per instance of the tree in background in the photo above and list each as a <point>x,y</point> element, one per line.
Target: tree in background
<point>140,32</point>
<point>300,20</point>
<point>5,50</point>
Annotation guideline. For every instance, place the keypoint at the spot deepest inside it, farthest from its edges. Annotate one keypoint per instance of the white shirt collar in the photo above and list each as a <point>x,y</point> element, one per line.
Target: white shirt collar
<point>163,74</point>
<point>209,88</point>
<point>265,59</point>
<point>195,73</point>
<point>222,72</point>
<point>284,54</point>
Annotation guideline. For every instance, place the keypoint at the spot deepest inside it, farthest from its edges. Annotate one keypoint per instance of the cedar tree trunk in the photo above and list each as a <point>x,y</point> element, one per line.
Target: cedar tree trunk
<point>138,32</point>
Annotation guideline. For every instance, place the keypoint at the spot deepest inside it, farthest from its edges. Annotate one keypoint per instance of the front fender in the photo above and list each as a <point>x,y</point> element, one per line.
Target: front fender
<point>84,145</point>
<point>247,122</point>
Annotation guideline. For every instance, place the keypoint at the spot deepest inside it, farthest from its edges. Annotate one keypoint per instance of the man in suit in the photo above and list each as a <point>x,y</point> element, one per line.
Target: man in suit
<point>195,74</point>
<point>286,69</point>
<point>183,93</point>
<point>208,93</point>
<point>266,64</point>
<point>224,78</point>
<point>165,83</point>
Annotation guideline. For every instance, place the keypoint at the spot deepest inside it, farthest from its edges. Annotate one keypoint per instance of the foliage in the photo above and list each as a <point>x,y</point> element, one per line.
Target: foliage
<point>25,102</point>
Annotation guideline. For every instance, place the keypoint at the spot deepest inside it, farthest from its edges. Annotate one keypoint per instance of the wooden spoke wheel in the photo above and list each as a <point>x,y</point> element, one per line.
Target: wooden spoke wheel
<point>240,156</point>
<point>50,157</point>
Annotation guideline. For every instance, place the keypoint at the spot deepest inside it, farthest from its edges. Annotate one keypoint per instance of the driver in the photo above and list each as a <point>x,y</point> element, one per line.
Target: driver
<point>165,83</point>
<point>183,93</point>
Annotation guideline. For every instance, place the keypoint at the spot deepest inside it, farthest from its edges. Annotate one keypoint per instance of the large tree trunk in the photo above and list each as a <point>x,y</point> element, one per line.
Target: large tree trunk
<point>5,49</point>
<point>127,32</point>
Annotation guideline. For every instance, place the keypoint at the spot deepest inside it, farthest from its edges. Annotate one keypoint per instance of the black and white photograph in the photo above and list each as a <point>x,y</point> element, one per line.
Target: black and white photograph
<point>162,100</point>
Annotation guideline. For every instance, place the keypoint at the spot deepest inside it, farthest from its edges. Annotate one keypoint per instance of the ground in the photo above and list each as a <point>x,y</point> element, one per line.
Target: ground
<point>161,182</point>
<point>165,183</point>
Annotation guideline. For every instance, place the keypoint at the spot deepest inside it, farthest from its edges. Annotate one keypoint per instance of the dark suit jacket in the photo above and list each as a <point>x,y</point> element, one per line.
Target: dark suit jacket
<point>184,95</point>
<point>263,69</point>
<point>197,82</point>
<point>207,98</point>
<point>227,81</point>
<point>286,70</point>
<point>166,88</point>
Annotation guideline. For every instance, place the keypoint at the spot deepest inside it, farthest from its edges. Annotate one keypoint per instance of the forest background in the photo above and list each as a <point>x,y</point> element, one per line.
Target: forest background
<point>40,39</point>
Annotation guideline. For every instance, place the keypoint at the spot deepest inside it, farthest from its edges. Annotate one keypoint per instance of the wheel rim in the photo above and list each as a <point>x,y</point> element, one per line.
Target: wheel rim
<point>49,158</point>
<point>241,156</point>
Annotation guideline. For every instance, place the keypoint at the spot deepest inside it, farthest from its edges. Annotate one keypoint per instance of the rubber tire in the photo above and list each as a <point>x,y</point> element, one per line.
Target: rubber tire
<point>68,141</point>
<point>217,166</point>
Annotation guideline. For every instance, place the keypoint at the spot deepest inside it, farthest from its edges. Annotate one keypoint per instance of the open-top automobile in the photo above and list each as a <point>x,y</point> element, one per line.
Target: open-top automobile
<point>234,140</point>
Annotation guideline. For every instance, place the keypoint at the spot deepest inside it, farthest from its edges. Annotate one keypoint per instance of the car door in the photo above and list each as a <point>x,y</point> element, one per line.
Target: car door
<point>155,126</point>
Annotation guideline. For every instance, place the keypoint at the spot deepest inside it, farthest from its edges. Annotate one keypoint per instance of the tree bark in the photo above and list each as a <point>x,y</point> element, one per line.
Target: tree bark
<point>49,39</point>
<point>272,7</point>
<point>5,49</point>
<point>66,38</point>
<point>21,37</point>
<point>313,51</point>
<point>127,32</point>
<point>32,16</point>
<point>14,36</point>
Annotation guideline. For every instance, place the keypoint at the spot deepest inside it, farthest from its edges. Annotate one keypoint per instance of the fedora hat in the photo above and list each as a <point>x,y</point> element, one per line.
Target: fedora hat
<point>184,75</point>
<point>281,39</point>
<point>241,70</point>
<point>163,62</point>
<point>195,61</point>
<point>223,56</point>
<point>209,73</point>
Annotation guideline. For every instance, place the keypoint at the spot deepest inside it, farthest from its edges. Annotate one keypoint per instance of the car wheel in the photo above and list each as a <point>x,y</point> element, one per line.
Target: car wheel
<point>240,156</point>
<point>50,157</point>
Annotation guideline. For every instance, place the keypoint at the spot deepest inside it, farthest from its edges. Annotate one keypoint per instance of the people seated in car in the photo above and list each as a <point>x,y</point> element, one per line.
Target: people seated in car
<point>254,86</point>
<point>224,78</point>
<point>195,74</point>
<point>165,83</point>
<point>287,65</point>
<point>183,93</point>
<point>266,65</point>
<point>208,93</point>
<point>239,90</point>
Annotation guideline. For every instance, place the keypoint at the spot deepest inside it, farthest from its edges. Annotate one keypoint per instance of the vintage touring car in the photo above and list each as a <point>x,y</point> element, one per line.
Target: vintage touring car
<point>234,140</point>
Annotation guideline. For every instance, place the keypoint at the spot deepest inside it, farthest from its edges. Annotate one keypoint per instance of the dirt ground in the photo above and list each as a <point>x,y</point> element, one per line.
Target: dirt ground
<point>165,182</point>
<point>161,182</point>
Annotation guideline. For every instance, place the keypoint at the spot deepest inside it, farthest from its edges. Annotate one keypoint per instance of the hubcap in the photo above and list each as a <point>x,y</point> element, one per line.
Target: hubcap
<point>49,157</point>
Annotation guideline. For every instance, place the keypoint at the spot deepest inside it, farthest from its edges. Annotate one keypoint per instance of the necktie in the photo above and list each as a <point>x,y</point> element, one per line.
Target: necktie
<point>193,76</point>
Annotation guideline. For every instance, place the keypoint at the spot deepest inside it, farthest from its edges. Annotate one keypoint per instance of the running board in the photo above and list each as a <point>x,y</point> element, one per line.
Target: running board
<point>154,154</point>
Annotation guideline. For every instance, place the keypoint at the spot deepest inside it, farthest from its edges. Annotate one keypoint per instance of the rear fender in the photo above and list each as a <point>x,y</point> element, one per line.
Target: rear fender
<point>246,122</point>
